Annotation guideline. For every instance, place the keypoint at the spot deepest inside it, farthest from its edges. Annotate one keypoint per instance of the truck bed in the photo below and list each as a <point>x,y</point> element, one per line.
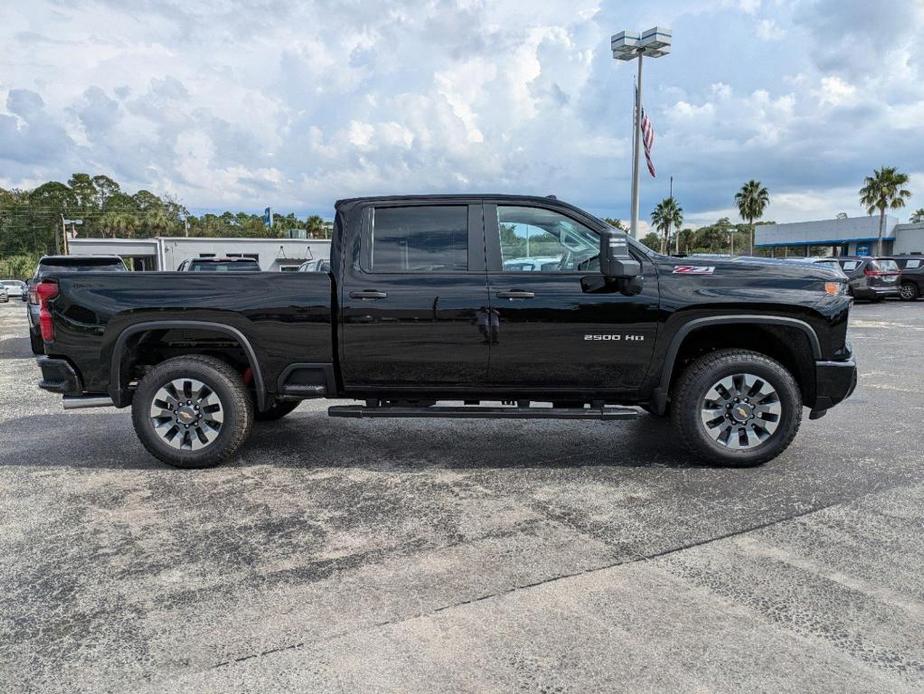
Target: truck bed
<point>285,317</point>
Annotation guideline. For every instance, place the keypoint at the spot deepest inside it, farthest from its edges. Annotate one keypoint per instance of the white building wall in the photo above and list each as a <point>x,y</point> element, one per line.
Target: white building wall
<point>823,231</point>
<point>167,252</point>
<point>909,238</point>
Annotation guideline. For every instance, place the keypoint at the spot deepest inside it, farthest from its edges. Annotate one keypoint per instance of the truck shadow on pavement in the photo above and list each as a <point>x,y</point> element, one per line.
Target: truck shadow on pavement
<point>312,440</point>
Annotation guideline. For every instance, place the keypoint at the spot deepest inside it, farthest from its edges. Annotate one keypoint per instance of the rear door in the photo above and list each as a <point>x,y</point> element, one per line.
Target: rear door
<point>413,297</point>
<point>554,324</point>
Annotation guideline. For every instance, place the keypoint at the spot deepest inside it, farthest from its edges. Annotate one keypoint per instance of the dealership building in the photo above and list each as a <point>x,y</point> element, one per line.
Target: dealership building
<point>842,236</point>
<point>167,252</point>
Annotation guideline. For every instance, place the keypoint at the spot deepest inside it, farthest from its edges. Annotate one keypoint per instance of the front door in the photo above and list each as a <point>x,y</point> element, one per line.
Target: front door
<point>559,325</point>
<point>413,297</point>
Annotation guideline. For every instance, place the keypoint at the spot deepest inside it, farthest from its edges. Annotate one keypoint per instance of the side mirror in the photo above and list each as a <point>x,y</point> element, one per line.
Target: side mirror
<point>615,261</point>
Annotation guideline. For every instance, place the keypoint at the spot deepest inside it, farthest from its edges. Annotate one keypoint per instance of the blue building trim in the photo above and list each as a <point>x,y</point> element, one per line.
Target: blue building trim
<point>832,242</point>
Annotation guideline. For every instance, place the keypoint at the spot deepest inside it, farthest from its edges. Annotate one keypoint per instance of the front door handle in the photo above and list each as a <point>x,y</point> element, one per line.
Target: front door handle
<point>516,294</point>
<point>368,294</point>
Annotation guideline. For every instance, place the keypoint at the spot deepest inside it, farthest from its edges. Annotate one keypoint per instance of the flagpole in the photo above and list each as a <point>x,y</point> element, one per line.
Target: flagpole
<point>635,148</point>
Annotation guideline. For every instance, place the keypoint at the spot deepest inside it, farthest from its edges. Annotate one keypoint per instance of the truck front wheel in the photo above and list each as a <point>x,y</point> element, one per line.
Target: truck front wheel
<point>736,408</point>
<point>192,411</point>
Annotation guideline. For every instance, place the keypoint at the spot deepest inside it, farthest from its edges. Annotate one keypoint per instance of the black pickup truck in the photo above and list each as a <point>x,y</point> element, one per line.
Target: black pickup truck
<point>526,304</point>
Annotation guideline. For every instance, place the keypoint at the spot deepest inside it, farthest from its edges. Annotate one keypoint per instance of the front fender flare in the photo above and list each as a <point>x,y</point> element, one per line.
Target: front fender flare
<point>660,393</point>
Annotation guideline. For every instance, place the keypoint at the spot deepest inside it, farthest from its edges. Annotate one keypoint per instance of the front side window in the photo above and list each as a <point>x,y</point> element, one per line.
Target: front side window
<point>429,238</point>
<point>912,264</point>
<point>533,239</point>
<point>850,265</point>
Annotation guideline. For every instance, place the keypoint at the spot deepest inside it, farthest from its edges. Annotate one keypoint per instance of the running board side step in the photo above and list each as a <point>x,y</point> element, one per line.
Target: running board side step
<point>74,402</point>
<point>467,412</point>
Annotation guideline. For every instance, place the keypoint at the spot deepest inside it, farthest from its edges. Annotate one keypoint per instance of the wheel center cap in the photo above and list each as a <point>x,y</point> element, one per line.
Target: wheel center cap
<point>185,415</point>
<point>742,412</point>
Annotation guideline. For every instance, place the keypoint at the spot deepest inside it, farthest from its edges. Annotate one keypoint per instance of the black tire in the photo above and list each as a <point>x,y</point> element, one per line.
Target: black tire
<point>38,345</point>
<point>277,411</point>
<point>908,291</point>
<point>233,401</point>
<point>689,405</point>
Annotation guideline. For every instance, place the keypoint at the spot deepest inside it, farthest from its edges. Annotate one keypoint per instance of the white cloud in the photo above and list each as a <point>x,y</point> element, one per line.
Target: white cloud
<point>296,104</point>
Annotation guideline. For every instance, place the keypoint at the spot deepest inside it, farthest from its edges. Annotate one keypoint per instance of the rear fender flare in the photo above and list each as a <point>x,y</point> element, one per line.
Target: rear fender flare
<point>115,369</point>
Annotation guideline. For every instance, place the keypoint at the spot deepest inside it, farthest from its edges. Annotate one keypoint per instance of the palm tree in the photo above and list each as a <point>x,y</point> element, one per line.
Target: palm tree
<point>883,191</point>
<point>752,200</point>
<point>667,214</point>
<point>917,216</point>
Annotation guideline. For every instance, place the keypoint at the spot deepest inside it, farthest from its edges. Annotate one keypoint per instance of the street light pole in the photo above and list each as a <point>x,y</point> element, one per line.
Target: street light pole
<point>626,46</point>
<point>636,142</point>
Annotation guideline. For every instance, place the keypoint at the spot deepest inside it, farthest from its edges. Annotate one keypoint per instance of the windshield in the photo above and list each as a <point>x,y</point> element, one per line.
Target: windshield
<point>229,266</point>
<point>13,283</point>
<point>80,265</point>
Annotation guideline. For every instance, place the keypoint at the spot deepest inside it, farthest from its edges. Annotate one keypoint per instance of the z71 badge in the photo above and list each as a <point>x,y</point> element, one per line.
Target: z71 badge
<point>694,269</point>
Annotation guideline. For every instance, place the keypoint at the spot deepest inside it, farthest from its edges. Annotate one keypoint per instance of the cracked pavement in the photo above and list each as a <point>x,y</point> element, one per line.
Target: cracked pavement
<point>427,555</point>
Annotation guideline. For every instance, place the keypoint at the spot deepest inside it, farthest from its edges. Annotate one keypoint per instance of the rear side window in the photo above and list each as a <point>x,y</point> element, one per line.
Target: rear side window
<point>419,239</point>
<point>912,264</point>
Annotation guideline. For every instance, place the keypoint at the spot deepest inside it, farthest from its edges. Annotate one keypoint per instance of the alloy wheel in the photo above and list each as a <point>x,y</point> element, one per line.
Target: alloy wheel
<point>741,411</point>
<point>187,414</point>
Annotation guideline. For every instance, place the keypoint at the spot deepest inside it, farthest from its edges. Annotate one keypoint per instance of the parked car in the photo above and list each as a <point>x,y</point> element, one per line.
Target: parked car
<point>59,264</point>
<point>317,265</point>
<point>869,278</point>
<point>829,263</point>
<point>732,349</point>
<point>4,297</point>
<point>15,289</point>
<point>911,283</point>
<point>219,265</point>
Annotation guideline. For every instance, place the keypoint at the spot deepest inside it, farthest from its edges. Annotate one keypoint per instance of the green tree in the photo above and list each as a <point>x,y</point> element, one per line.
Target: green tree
<point>118,223</point>
<point>685,240</point>
<point>752,200</point>
<point>652,240</point>
<point>105,188</point>
<point>315,227</point>
<point>917,216</point>
<point>665,215</point>
<point>883,191</point>
<point>47,204</point>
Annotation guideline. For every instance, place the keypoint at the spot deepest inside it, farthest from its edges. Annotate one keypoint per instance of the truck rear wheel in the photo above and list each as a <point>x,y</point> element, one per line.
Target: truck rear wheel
<point>192,411</point>
<point>736,408</point>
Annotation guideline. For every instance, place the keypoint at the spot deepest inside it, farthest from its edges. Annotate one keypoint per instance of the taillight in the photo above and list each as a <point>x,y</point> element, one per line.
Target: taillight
<point>871,273</point>
<point>46,291</point>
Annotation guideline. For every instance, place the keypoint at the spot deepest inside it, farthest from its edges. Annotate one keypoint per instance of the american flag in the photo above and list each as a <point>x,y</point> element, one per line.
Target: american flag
<point>648,141</point>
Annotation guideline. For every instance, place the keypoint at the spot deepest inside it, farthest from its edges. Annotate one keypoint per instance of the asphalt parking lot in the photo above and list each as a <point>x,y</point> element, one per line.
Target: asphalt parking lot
<point>357,555</point>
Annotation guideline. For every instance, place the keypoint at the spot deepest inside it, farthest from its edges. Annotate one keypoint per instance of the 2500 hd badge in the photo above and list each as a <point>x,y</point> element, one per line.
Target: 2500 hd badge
<point>614,337</point>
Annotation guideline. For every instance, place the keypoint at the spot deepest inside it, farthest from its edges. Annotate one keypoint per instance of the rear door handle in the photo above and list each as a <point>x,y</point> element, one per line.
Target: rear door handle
<point>516,294</point>
<point>368,294</point>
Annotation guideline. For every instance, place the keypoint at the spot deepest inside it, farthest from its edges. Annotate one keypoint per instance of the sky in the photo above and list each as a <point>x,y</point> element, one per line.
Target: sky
<point>229,104</point>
